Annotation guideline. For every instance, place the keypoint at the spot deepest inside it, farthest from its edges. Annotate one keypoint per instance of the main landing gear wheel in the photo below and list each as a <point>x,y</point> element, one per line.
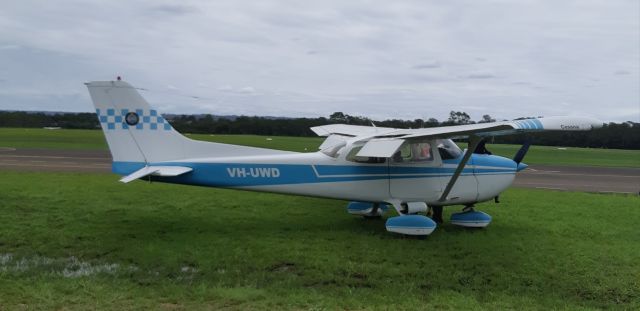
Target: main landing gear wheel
<point>471,218</point>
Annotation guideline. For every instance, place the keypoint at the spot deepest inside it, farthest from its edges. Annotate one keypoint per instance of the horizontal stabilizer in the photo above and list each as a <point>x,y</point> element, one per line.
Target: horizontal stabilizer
<point>156,171</point>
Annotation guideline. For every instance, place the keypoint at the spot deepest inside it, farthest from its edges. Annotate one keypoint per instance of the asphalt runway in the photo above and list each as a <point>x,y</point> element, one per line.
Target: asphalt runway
<point>565,178</point>
<point>55,160</point>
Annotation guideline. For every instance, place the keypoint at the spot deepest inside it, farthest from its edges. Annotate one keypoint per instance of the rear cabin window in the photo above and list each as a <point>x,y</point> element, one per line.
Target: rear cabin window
<point>414,153</point>
<point>353,158</point>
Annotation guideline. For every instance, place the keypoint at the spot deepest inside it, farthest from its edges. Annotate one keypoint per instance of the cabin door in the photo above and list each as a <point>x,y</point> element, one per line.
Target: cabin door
<point>415,172</point>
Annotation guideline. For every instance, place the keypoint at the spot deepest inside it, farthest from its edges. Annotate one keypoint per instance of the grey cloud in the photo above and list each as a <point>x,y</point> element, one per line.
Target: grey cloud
<point>480,76</point>
<point>432,65</point>
<point>9,47</point>
<point>173,9</point>
<point>391,60</point>
<point>247,90</point>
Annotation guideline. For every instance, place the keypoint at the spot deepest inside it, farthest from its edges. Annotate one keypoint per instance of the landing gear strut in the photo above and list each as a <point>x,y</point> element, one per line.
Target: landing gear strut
<point>436,214</point>
<point>375,213</point>
<point>468,208</point>
<point>367,209</point>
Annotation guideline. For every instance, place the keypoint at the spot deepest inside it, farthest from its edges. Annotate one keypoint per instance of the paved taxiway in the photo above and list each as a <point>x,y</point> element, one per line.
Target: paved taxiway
<point>573,178</point>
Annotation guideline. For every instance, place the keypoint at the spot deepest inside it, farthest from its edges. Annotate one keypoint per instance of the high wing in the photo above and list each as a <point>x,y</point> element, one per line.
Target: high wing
<point>508,127</point>
<point>384,142</point>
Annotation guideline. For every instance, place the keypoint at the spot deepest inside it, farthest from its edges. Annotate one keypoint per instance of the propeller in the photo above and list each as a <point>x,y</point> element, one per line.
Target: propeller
<point>481,148</point>
<point>522,152</point>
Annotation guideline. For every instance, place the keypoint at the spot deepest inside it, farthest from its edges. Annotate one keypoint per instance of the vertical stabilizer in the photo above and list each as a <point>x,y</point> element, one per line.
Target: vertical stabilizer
<point>137,133</point>
<point>134,131</point>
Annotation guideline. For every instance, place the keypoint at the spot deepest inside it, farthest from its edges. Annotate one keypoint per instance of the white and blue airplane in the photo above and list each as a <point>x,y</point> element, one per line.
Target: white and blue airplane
<point>416,171</point>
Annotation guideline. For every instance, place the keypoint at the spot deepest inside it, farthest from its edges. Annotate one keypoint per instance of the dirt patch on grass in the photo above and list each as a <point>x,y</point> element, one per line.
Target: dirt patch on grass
<point>282,267</point>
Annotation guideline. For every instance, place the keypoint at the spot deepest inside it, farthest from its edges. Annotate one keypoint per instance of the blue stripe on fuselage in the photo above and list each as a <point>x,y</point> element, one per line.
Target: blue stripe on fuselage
<point>251,174</point>
<point>126,168</point>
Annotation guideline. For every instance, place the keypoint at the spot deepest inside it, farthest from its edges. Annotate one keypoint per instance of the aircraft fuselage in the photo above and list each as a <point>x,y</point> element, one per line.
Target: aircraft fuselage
<point>316,174</point>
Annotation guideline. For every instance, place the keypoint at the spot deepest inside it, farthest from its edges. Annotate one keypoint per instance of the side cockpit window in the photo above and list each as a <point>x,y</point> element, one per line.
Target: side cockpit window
<point>414,153</point>
<point>448,149</point>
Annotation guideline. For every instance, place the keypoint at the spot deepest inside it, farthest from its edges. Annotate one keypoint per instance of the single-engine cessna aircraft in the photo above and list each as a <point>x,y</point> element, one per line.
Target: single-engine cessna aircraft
<point>412,170</point>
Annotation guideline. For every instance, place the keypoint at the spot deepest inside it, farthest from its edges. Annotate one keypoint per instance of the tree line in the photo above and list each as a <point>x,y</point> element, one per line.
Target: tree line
<point>613,135</point>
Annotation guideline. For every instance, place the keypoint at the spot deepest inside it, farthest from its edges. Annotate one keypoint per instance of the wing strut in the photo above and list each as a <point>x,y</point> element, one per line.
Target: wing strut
<point>473,143</point>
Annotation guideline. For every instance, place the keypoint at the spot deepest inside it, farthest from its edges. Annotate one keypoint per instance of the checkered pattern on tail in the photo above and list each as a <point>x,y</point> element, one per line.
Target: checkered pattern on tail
<point>114,119</point>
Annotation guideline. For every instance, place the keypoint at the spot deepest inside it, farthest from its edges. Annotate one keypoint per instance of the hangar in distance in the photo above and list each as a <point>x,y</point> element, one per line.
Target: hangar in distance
<point>410,170</point>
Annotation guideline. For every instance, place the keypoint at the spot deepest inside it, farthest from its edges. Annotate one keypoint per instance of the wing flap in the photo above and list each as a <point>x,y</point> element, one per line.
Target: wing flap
<point>333,140</point>
<point>156,171</point>
<point>349,130</point>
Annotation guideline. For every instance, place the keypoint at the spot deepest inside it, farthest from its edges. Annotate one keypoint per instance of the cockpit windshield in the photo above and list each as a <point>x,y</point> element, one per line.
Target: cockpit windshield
<point>448,149</point>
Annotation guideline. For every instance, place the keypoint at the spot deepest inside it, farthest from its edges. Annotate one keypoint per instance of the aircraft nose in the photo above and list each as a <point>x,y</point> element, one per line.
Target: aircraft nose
<point>521,166</point>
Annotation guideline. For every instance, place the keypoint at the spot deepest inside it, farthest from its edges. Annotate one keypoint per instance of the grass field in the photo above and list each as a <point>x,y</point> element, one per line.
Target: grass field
<point>93,139</point>
<point>85,241</point>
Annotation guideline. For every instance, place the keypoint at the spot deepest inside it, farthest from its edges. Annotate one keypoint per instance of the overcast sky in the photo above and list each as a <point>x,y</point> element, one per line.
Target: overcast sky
<point>380,59</point>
